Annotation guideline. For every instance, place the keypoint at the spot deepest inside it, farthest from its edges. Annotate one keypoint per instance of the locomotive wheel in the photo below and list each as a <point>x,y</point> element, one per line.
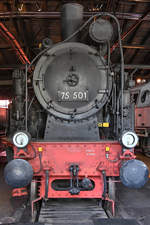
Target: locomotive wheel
<point>33,196</point>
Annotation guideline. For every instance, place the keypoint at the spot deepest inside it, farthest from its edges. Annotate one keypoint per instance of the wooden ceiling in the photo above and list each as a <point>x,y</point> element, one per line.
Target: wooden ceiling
<point>28,22</point>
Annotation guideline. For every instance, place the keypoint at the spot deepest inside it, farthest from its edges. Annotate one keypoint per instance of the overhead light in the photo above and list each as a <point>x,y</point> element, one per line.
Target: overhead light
<point>20,8</point>
<point>138,80</point>
<point>38,7</point>
<point>143,80</point>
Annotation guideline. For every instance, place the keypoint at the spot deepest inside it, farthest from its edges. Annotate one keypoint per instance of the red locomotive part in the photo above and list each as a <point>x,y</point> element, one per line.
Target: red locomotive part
<point>142,117</point>
<point>3,119</point>
<point>56,157</point>
<point>18,192</point>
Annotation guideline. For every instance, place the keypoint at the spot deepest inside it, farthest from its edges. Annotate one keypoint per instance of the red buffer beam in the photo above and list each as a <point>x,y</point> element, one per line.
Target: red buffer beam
<point>12,40</point>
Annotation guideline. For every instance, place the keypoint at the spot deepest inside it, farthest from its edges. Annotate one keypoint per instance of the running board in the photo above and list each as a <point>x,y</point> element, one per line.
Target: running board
<point>71,212</point>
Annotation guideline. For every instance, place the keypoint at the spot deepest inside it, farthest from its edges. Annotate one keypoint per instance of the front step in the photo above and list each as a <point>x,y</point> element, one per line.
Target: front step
<point>71,212</point>
<point>97,222</point>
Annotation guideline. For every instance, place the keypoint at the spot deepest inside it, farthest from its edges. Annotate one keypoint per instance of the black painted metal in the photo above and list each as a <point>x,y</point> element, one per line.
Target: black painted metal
<point>72,68</point>
<point>71,211</point>
<point>71,19</point>
<point>73,82</point>
<point>46,183</point>
<point>128,106</point>
<point>52,71</point>
<point>18,173</point>
<point>101,30</point>
<point>143,92</point>
<point>19,90</point>
<point>47,42</point>
<point>55,15</point>
<point>62,130</point>
<point>97,221</point>
<point>117,221</point>
<point>135,66</point>
<point>126,66</point>
<point>134,173</point>
<point>17,108</point>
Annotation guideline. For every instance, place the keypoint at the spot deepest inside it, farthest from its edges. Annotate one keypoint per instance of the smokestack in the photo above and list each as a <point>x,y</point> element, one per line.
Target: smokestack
<point>71,20</point>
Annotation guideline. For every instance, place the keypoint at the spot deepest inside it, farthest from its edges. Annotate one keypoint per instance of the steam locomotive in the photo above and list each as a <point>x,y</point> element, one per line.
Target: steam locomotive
<point>73,132</point>
<point>141,97</point>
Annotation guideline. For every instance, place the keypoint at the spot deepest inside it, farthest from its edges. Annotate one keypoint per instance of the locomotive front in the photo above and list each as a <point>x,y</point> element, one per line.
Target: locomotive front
<point>88,138</point>
<point>71,83</point>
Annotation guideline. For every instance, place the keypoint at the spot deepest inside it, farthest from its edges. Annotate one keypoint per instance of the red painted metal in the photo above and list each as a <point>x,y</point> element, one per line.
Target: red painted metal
<point>127,155</point>
<point>33,204</point>
<point>91,157</point>
<point>19,192</point>
<point>142,117</point>
<point>3,119</point>
<point>2,152</point>
<point>10,38</point>
<point>2,155</point>
<point>112,202</point>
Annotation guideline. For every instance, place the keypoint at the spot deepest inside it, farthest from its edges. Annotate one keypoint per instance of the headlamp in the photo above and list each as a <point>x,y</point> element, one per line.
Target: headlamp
<point>129,139</point>
<point>21,139</point>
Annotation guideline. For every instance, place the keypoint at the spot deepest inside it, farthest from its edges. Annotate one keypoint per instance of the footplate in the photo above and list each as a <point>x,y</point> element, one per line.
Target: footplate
<point>71,212</point>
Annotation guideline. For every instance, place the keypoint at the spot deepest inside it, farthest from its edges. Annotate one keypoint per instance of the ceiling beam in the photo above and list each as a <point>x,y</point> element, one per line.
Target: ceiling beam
<point>11,67</point>
<point>140,47</point>
<point>12,40</point>
<point>102,1</point>
<point>24,35</point>
<point>6,82</point>
<point>135,66</point>
<point>130,30</point>
<point>143,41</point>
<point>8,47</point>
<point>127,66</point>
<point>57,15</point>
<point>139,1</point>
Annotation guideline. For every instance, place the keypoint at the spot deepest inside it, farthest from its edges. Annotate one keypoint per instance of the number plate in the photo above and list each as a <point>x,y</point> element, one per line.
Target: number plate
<point>67,96</point>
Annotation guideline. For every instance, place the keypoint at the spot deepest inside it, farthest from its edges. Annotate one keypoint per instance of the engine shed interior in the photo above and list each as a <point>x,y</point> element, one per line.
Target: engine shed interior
<point>74,112</point>
<point>32,21</point>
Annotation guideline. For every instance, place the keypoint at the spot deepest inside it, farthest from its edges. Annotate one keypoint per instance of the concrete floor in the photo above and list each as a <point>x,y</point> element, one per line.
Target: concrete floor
<point>132,203</point>
<point>8,205</point>
<point>6,208</point>
<point>135,203</point>
<point>146,160</point>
